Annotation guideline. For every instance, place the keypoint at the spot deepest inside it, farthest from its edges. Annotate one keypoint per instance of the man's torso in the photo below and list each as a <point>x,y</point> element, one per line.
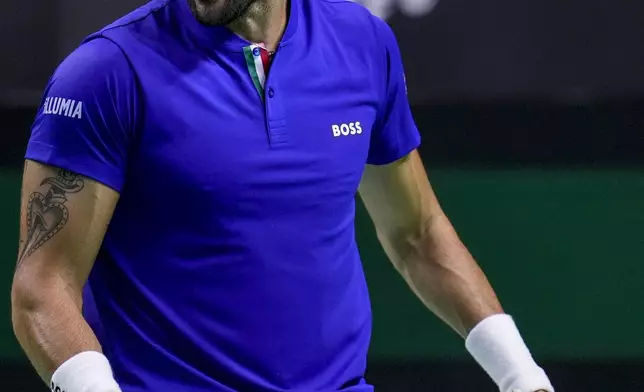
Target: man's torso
<point>231,263</point>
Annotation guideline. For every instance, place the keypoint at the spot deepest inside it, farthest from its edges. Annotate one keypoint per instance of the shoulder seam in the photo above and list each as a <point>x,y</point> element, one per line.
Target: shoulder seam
<point>150,12</point>
<point>133,72</point>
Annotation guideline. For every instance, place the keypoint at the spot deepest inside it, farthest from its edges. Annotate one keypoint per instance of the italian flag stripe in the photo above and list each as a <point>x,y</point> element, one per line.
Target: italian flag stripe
<point>255,67</point>
<point>265,59</point>
<point>259,66</point>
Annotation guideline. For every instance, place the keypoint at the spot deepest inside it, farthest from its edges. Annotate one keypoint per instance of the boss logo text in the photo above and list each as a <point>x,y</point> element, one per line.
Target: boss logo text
<point>353,128</point>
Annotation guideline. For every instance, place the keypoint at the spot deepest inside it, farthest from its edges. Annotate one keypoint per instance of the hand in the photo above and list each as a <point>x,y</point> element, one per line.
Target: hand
<point>528,383</point>
<point>540,390</point>
<point>519,390</point>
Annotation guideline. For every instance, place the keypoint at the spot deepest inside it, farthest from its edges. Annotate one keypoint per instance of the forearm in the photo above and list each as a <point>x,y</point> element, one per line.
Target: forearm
<point>443,274</point>
<point>422,244</point>
<point>50,327</point>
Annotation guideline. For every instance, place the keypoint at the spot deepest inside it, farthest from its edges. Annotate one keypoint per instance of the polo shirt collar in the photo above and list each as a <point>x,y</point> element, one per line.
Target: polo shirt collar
<point>211,37</point>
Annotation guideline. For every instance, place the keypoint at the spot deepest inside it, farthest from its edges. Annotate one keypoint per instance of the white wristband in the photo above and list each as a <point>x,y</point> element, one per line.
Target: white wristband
<point>497,346</point>
<point>88,371</point>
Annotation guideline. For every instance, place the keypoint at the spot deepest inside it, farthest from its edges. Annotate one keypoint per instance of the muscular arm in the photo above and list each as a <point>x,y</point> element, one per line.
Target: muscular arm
<point>63,220</point>
<point>422,244</point>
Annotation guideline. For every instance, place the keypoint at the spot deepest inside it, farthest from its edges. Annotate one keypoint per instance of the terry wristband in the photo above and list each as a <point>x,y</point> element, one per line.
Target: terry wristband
<point>496,344</point>
<point>88,371</point>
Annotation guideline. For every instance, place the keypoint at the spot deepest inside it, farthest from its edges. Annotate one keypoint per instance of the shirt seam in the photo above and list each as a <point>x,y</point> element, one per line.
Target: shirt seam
<point>139,19</point>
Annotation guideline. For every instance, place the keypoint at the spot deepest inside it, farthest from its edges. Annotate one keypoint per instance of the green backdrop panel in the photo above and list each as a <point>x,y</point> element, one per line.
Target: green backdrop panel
<point>564,250</point>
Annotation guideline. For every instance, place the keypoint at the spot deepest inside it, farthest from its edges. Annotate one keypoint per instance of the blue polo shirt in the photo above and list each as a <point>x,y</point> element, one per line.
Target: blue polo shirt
<point>230,263</point>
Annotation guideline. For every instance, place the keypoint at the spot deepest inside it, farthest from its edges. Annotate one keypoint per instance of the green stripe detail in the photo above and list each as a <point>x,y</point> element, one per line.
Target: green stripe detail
<point>250,63</point>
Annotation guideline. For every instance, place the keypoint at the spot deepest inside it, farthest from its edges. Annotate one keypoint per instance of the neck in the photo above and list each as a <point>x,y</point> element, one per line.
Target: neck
<point>263,23</point>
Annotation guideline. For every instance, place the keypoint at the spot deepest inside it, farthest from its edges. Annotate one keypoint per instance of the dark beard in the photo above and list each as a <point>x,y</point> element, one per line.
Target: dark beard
<point>230,12</point>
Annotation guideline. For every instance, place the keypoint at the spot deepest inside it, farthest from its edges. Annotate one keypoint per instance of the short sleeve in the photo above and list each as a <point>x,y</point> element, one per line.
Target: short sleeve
<point>394,134</point>
<point>87,117</point>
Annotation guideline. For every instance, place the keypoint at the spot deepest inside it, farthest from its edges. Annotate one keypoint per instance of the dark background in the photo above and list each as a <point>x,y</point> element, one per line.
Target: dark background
<point>532,116</point>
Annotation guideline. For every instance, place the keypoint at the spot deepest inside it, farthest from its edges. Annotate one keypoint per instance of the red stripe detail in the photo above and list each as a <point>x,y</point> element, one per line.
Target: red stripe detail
<point>266,62</point>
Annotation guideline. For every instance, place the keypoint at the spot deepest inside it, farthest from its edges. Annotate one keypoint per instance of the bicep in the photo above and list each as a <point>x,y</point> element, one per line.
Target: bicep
<point>64,217</point>
<point>398,196</point>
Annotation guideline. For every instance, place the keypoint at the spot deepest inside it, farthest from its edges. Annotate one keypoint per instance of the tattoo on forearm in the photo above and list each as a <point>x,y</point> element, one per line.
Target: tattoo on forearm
<point>46,212</point>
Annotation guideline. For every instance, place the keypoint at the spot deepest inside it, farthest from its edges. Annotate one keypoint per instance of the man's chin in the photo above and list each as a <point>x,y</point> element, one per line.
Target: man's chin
<point>208,12</point>
<point>219,12</point>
